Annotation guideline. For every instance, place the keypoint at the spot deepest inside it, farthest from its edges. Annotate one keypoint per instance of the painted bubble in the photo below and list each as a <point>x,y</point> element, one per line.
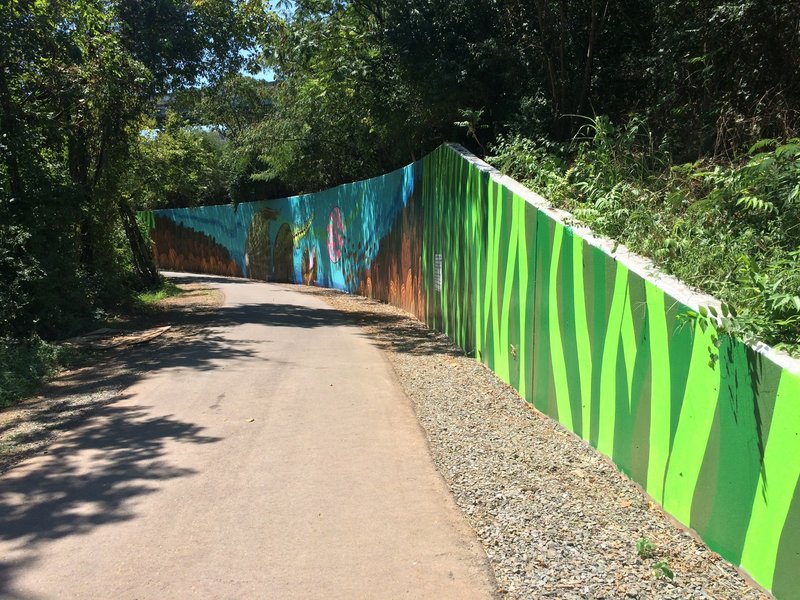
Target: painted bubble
<point>335,235</point>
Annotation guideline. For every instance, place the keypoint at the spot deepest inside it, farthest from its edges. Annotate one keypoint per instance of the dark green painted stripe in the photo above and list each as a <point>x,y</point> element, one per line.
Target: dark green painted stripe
<point>624,423</point>
<point>541,373</point>
<point>628,333</point>
<point>660,400</point>
<point>508,258</point>
<point>638,444</point>
<point>765,376</point>
<point>530,300</point>
<point>479,242</point>
<point>583,342</point>
<point>522,337</point>
<point>736,455</point>
<point>612,372</point>
<point>786,577</point>
<point>776,488</point>
<point>620,452</point>
<point>566,315</point>
<point>703,503</point>
<point>694,428</point>
<point>557,362</point>
<point>680,353</point>
<point>604,270</point>
<point>513,312</point>
<point>490,310</point>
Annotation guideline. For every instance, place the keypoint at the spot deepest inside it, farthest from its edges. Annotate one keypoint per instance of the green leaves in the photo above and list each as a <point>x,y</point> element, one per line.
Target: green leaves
<point>645,548</point>
<point>175,167</point>
<point>661,570</point>
<point>76,79</point>
<point>727,228</point>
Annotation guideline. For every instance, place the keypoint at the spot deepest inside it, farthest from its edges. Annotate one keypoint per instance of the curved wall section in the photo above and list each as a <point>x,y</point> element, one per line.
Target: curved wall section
<point>589,334</point>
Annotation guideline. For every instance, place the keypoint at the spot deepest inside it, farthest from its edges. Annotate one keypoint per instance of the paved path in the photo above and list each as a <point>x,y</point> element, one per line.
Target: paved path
<point>274,457</point>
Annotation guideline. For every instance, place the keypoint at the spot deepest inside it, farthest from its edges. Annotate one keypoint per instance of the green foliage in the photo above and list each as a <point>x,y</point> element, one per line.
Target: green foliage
<point>729,229</point>
<point>645,549</point>
<point>23,365</point>
<point>166,290</point>
<point>76,80</point>
<point>18,271</point>
<point>721,74</point>
<point>661,570</point>
<point>238,109</point>
<point>184,43</point>
<point>176,166</point>
<point>340,110</point>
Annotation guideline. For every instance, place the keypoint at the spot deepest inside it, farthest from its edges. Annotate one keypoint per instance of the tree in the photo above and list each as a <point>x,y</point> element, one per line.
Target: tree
<point>76,79</point>
<point>176,166</point>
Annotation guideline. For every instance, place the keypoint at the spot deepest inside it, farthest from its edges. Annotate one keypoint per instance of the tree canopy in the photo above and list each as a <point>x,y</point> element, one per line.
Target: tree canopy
<point>77,79</point>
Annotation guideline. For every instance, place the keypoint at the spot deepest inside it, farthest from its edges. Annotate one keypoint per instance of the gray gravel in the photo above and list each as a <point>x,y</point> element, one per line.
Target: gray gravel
<point>556,518</point>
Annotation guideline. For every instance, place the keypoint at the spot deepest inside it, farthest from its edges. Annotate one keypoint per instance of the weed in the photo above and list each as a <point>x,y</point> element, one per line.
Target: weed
<point>166,290</point>
<point>23,365</point>
<point>661,570</point>
<point>645,548</point>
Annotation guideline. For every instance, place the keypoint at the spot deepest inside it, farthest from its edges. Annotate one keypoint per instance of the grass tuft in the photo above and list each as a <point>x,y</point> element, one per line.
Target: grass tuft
<point>150,297</point>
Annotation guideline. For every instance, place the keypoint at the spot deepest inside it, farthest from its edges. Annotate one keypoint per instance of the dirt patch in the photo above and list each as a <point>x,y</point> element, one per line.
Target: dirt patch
<point>111,360</point>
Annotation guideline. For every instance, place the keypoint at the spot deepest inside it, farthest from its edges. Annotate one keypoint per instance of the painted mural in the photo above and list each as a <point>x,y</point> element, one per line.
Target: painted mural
<point>707,425</point>
<point>181,248</point>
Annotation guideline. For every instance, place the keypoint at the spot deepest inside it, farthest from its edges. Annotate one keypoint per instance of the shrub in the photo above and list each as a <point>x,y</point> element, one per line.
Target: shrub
<point>727,228</point>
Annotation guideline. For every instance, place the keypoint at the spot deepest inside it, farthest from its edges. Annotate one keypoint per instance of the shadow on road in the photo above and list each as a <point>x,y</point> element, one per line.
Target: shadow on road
<point>197,341</point>
<point>56,497</point>
<point>396,332</point>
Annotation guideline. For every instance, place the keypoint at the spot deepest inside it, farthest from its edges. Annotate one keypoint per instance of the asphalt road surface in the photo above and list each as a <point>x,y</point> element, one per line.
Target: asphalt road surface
<point>273,456</point>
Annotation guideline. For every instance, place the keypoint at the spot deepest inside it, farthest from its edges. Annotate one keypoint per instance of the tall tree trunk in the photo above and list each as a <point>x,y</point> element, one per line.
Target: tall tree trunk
<point>596,28</point>
<point>140,249</point>
<point>87,242</point>
<point>9,129</point>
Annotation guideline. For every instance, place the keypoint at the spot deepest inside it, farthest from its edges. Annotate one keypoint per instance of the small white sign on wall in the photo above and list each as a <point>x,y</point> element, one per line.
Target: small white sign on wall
<point>437,272</point>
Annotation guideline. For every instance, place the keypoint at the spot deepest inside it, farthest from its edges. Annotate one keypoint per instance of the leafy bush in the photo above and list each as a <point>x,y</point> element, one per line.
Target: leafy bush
<point>730,229</point>
<point>18,269</point>
<point>23,365</point>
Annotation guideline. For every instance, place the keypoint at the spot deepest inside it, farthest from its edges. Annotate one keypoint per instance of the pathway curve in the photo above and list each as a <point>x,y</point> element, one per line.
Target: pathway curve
<point>274,457</point>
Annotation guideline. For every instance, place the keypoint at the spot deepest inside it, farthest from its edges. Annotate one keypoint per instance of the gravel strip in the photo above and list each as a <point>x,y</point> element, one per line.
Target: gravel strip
<point>557,519</point>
